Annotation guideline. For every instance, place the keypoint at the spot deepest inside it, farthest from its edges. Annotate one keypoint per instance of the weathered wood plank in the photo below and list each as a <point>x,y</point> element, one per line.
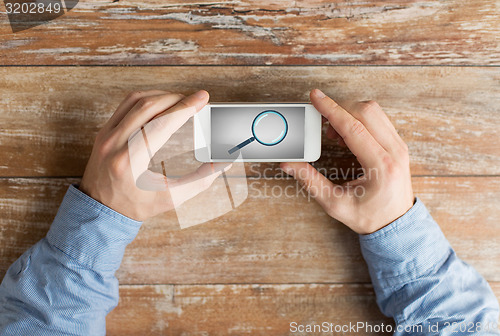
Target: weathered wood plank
<point>268,239</point>
<point>245,309</point>
<point>261,32</point>
<point>449,117</point>
<point>241,309</point>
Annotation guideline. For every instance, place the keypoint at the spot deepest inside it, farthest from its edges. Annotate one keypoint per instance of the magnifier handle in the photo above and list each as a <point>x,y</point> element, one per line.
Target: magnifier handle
<point>241,145</point>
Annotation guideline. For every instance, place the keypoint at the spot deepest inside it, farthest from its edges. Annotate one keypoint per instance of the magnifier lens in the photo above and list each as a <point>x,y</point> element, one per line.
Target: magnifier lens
<point>269,128</point>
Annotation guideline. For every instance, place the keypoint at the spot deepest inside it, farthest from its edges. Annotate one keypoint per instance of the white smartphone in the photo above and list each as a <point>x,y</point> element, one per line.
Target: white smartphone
<point>257,132</point>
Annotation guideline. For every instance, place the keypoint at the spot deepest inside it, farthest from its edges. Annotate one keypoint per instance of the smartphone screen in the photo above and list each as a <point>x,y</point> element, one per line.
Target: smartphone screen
<point>277,132</point>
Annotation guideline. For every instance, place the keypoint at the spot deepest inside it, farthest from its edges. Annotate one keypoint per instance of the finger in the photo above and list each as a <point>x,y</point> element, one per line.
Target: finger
<point>153,181</point>
<point>143,111</point>
<point>377,123</point>
<point>355,135</point>
<point>198,100</point>
<point>203,171</point>
<point>319,187</point>
<point>147,140</point>
<point>125,106</point>
<point>158,131</point>
<point>190,185</point>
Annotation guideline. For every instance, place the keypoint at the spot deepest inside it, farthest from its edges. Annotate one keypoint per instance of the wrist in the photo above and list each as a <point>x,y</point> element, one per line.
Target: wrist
<point>413,239</point>
<point>408,207</point>
<point>90,232</point>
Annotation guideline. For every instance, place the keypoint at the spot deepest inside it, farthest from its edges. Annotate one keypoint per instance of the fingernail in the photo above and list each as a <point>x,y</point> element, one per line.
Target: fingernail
<point>202,94</point>
<point>318,93</point>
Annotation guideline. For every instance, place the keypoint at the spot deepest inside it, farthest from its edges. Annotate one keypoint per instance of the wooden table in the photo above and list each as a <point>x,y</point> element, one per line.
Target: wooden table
<point>432,65</point>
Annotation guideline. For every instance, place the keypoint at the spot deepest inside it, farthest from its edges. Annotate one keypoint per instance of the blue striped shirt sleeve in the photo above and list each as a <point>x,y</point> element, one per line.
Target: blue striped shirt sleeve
<point>421,283</point>
<point>65,284</point>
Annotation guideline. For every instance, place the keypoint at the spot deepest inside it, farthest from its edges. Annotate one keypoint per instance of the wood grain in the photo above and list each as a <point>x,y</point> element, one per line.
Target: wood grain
<point>240,309</point>
<point>397,32</point>
<point>244,309</point>
<point>289,240</point>
<point>450,117</point>
<point>275,259</point>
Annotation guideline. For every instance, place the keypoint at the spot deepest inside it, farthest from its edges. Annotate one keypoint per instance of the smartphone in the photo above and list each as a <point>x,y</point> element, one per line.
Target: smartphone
<point>257,132</point>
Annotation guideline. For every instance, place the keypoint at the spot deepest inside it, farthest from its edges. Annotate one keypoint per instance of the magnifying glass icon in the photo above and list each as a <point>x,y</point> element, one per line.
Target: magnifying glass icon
<point>269,128</point>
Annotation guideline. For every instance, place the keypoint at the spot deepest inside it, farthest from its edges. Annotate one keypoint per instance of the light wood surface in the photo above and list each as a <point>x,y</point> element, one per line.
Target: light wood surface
<point>432,65</point>
<point>450,117</point>
<point>242,309</point>
<point>49,119</point>
<point>268,239</point>
<point>253,32</point>
<point>248,309</point>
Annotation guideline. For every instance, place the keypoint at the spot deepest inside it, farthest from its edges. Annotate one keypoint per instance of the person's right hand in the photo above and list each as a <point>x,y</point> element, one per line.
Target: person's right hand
<point>117,173</point>
<point>384,193</point>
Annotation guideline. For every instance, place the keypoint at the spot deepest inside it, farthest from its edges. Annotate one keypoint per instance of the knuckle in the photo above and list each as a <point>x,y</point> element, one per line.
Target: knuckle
<point>119,164</point>
<point>368,107</point>
<point>145,103</point>
<point>331,104</point>
<point>105,145</point>
<point>403,149</point>
<point>182,104</point>
<point>357,127</point>
<point>393,169</point>
<point>388,163</point>
<point>134,95</point>
<point>100,136</point>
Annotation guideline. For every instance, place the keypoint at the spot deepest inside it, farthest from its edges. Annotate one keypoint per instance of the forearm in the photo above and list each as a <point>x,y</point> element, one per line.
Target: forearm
<point>65,283</point>
<point>419,280</point>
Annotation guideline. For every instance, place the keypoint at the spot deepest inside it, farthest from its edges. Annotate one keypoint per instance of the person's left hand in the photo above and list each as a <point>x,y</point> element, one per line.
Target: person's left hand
<point>142,123</point>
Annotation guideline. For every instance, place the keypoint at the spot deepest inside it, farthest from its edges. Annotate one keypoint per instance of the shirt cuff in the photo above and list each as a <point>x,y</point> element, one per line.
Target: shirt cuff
<point>408,248</point>
<point>90,232</point>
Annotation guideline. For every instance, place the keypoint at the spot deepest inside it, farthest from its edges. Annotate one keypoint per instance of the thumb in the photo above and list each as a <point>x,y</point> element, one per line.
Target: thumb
<point>319,187</point>
<point>190,185</point>
<point>315,183</point>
